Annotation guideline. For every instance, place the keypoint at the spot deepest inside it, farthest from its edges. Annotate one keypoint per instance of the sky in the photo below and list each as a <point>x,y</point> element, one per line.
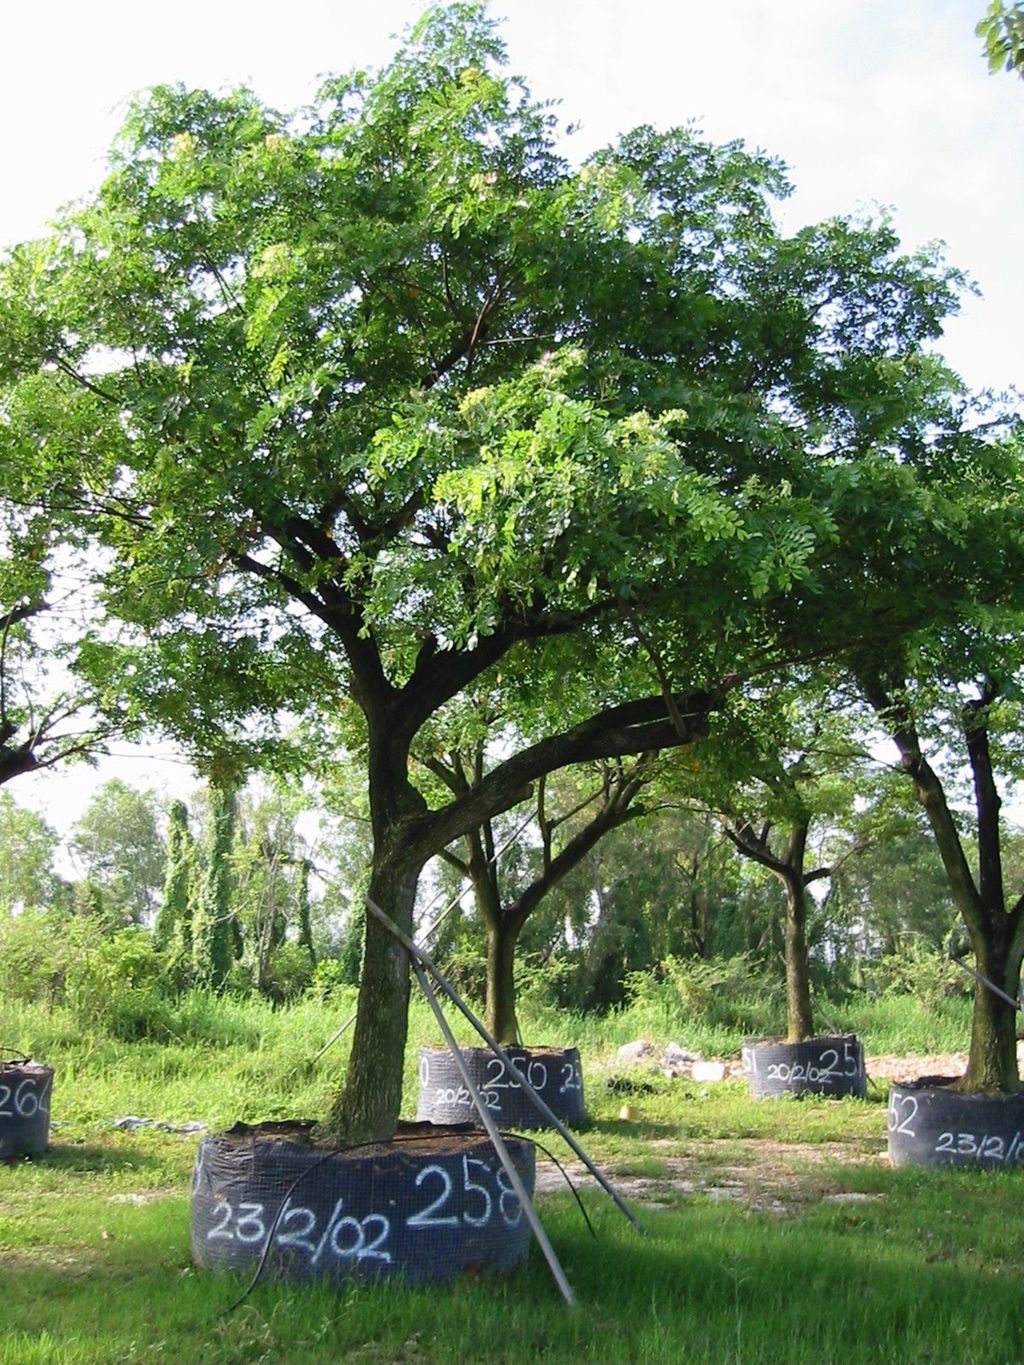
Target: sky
<point>873,104</point>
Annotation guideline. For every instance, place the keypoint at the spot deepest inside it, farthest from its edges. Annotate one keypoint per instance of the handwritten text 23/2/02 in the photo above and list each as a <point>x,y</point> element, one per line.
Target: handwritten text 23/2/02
<point>485,1194</point>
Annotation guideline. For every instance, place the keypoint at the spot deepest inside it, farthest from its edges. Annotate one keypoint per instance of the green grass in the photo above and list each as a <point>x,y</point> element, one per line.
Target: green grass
<point>777,1233</point>
<point>927,1271</point>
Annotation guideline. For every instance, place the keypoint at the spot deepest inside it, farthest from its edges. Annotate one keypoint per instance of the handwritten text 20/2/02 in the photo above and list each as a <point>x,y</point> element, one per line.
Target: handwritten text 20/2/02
<point>534,1072</point>
<point>831,1069</point>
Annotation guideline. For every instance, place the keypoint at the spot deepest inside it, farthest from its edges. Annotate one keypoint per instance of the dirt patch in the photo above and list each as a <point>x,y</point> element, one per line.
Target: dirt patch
<point>913,1068</point>
<point>81,1262</point>
<point>773,1177</point>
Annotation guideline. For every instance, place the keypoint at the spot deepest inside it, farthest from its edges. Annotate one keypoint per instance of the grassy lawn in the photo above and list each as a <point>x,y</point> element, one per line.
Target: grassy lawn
<point>775,1229</point>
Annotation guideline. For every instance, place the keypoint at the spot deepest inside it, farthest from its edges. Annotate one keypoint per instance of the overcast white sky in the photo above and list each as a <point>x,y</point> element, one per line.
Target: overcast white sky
<point>870,102</point>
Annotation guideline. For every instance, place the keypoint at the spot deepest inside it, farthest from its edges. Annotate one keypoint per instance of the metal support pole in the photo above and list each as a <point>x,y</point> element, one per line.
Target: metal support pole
<point>421,957</point>
<point>986,982</point>
<point>431,929</point>
<point>497,1140</point>
<point>333,1039</point>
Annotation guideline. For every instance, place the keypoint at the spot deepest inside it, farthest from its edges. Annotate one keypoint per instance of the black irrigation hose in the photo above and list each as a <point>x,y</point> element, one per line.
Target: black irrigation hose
<point>20,1060</point>
<point>356,1147</point>
<point>261,1263</point>
<point>565,1176</point>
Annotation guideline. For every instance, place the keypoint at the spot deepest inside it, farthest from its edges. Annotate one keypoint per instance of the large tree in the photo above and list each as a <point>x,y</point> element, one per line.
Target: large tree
<point>384,398</point>
<point>952,707</point>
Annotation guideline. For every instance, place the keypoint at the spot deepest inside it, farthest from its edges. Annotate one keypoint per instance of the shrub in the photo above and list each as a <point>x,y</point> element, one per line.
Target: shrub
<point>289,973</point>
<point>329,978</point>
<point>34,955</point>
<point>919,970</point>
<point>724,990</point>
<point>117,981</point>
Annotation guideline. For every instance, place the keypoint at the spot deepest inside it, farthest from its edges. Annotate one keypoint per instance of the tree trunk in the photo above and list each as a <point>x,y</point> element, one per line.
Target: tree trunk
<point>992,1062</point>
<point>368,1107</point>
<point>501,990</point>
<point>799,1017</point>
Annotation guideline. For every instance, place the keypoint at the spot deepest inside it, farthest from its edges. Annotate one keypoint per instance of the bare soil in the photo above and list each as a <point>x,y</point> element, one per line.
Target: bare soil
<point>912,1068</point>
<point>413,1138</point>
<point>773,1177</point>
<point>779,1178</point>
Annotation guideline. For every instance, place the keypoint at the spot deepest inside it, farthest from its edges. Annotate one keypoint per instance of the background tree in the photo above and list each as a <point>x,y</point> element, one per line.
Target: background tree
<point>504,903</point>
<point>268,881</point>
<point>809,783</point>
<point>117,843</point>
<point>893,890</point>
<point>303,911</point>
<point>669,886</point>
<point>28,845</point>
<point>173,924</point>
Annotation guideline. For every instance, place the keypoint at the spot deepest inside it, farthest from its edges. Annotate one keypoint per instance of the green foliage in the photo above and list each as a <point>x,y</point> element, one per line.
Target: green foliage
<point>172,917</point>
<point>329,978</point>
<point>49,710</point>
<point>919,970</point>
<point>725,992</point>
<point>1002,30</point>
<point>893,894</point>
<point>289,973</point>
<point>112,980</point>
<point>267,861</point>
<point>303,912</point>
<point>172,928</point>
<point>116,981</point>
<point>36,948</point>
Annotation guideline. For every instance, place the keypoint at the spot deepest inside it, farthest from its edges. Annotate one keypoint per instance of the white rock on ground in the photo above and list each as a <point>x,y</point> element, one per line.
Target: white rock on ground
<point>635,1052</point>
<point>708,1071</point>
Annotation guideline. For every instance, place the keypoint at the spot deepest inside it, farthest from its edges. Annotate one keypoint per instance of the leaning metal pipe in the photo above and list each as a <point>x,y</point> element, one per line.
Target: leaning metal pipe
<point>497,1140</point>
<point>419,955</point>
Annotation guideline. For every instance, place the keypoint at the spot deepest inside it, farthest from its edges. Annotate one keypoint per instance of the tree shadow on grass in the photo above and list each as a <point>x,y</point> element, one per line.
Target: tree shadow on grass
<point>87,1158</point>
